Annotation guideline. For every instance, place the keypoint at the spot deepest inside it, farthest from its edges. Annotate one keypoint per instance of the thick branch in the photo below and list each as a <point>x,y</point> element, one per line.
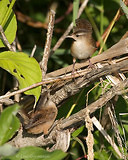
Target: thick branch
<point>74,120</point>
<point>71,88</point>
<point>77,117</point>
<point>64,86</point>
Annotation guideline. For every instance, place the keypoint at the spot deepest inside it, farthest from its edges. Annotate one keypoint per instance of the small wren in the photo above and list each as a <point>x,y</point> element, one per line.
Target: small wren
<point>83,45</point>
<point>40,119</point>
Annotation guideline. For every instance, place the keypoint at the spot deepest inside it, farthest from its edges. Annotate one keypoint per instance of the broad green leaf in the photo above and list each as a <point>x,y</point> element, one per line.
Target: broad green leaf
<point>7,150</point>
<point>10,23</point>
<point>9,123</point>
<point>124,7</point>
<point>36,153</point>
<point>25,69</point>
<point>15,124</point>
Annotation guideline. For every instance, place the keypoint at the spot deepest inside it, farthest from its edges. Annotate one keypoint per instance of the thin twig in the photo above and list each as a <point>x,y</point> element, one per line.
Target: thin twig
<point>5,39</point>
<point>106,136</point>
<point>59,42</point>
<point>46,81</point>
<point>33,51</point>
<point>48,43</point>
<point>113,118</point>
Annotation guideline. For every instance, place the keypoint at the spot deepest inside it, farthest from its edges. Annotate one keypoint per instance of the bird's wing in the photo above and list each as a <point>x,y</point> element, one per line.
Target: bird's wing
<point>41,116</point>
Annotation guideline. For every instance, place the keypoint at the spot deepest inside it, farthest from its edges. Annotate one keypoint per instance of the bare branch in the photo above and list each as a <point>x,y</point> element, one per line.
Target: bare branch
<point>75,120</point>
<point>33,51</point>
<point>89,138</point>
<point>72,88</point>
<point>79,116</point>
<point>48,43</point>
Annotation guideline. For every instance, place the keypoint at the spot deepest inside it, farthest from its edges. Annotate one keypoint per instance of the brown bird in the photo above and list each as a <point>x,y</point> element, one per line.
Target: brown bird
<point>41,119</point>
<point>83,45</point>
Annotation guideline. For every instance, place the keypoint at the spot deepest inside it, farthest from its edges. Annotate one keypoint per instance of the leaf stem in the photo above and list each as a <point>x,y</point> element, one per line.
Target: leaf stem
<point>5,39</point>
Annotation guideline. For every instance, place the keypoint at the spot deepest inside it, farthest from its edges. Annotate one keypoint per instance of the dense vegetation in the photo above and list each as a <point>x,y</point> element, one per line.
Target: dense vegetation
<point>24,23</point>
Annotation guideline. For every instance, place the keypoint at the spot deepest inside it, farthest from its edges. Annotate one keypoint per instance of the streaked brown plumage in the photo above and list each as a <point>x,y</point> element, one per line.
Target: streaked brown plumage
<point>41,120</point>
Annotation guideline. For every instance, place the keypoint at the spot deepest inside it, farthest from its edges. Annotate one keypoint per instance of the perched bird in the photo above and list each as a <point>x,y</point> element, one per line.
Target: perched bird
<point>83,45</point>
<point>42,119</point>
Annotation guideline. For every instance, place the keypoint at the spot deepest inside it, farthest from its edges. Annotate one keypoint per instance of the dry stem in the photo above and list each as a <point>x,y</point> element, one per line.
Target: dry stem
<point>89,139</point>
<point>48,43</point>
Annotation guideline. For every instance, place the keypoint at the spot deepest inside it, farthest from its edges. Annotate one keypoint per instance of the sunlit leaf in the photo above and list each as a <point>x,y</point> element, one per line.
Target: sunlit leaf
<point>25,69</point>
<point>10,26</point>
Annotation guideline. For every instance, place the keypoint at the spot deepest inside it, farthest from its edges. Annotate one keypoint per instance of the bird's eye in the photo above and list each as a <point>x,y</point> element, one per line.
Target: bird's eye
<point>77,35</point>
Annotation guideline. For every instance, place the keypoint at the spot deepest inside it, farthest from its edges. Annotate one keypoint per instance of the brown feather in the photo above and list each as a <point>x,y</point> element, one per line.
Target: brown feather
<point>42,119</point>
<point>82,25</point>
<point>42,116</point>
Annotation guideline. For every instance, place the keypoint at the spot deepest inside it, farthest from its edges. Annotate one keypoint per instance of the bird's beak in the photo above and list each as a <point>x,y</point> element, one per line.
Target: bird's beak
<point>71,36</point>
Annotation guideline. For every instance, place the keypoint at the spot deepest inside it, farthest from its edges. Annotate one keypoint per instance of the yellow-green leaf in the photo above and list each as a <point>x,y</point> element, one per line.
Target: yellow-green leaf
<point>10,23</point>
<point>26,69</point>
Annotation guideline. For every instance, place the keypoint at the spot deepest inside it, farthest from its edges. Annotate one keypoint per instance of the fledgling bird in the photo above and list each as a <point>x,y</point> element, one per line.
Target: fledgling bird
<point>83,45</point>
<point>42,119</point>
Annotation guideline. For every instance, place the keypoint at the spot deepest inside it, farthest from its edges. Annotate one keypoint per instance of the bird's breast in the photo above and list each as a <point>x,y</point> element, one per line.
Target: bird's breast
<point>81,49</point>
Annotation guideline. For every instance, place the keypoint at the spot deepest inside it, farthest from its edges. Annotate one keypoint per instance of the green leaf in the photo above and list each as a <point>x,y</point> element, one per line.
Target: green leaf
<point>36,153</point>
<point>75,10</point>
<point>124,7</point>
<point>25,69</point>
<point>81,143</point>
<point>8,23</point>
<point>77,132</point>
<point>7,150</point>
<point>9,123</point>
<point>102,155</point>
